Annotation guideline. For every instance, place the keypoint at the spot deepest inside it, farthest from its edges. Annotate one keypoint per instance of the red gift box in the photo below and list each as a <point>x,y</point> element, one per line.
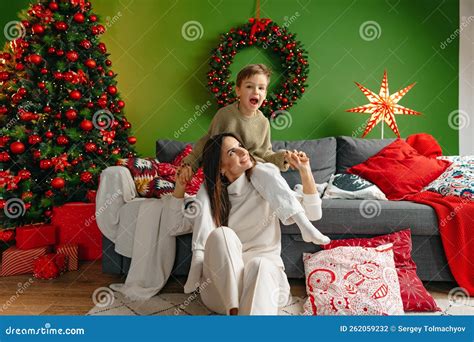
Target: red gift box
<point>76,224</point>
<point>33,236</point>
<point>71,251</point>
<point>19,261</point>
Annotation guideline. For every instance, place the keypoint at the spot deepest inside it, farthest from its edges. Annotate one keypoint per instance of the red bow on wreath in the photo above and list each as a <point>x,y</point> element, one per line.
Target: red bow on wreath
<point>258,25</point>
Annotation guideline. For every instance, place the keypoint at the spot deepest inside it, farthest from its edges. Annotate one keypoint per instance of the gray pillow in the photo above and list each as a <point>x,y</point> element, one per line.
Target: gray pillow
<point>322,154</point>
<point>353,151</point>
<point>167,150</point>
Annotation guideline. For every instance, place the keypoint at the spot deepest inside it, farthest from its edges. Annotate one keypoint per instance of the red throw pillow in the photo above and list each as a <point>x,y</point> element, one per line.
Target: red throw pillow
<point>155,179</point>
<point>414,295</point>
<point>425,144</point>
<point>399,170</point>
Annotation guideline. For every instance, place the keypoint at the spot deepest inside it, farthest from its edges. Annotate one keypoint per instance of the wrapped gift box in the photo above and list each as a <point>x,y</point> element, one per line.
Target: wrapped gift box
<point>71,252</point>
<point>75,223</point>
<point>19,261</point>
<point>38,235</point>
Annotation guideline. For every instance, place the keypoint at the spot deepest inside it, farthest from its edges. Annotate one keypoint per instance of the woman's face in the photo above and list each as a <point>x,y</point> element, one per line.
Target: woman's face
<point>235,159</point>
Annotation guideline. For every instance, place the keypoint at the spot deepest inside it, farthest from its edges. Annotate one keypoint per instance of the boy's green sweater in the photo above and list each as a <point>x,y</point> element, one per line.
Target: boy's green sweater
<point>254,132</point>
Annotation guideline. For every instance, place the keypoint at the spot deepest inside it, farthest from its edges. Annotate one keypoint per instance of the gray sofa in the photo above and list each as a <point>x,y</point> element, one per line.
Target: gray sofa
<point>341,218</point>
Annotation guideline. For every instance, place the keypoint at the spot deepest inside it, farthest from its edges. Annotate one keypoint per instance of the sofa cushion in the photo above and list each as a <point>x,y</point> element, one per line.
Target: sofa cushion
<point>353,151</point>
<point>322,153</point>
<point>370,217</point>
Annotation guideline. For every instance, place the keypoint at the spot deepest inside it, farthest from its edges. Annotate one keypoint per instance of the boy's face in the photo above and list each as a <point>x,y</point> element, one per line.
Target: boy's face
<point>252,92</point>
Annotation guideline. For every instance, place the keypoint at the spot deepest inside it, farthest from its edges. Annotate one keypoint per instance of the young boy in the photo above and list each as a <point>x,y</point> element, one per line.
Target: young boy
<point>244,119</point>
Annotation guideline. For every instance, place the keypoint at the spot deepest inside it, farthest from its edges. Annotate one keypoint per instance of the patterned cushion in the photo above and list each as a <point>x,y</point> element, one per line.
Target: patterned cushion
<point>352,281</point>
<point>155,179</point>
<point>414,295</point>
<point>457,180</point>
<point>349,186</point>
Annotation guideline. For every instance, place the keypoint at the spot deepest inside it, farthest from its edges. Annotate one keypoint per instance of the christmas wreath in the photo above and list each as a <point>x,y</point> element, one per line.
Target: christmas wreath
<point>265,34</point>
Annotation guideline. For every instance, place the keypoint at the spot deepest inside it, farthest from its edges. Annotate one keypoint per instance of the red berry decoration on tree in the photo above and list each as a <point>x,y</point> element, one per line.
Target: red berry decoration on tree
<point>132,140</point>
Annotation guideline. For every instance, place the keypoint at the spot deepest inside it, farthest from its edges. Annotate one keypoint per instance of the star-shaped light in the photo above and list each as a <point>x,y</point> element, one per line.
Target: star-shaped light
<point>383,106</point>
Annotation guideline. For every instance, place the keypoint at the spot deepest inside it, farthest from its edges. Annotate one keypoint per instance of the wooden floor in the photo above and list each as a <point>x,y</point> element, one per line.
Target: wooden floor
<point>71,293</point>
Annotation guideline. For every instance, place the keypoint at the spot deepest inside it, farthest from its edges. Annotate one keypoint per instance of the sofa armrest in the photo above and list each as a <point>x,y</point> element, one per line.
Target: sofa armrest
<point>116,188</point>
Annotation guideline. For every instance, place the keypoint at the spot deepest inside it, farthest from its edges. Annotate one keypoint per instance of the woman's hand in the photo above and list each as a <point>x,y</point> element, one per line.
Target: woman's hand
<point>184,174</point>
<point>299,161</point>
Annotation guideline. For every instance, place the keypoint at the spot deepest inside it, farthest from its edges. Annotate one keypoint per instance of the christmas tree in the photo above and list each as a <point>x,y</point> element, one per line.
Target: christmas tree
<point>61,116</point>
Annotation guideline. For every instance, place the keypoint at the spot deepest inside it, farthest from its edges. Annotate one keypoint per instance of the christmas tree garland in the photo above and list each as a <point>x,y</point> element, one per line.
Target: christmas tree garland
<point>265,34</point>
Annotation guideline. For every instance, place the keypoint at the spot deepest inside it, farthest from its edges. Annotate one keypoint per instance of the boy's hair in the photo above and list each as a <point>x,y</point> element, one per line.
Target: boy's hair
<point>253,69</point>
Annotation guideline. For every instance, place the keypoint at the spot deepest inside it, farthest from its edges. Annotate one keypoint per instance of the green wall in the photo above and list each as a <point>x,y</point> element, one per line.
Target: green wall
<point>162,76</point>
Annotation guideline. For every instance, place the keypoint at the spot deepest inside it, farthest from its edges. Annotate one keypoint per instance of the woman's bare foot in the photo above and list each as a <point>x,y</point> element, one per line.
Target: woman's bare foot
<point>234,312</point>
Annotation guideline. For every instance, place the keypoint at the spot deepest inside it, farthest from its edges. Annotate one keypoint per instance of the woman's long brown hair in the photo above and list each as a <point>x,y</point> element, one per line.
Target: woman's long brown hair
<point>216,184</point>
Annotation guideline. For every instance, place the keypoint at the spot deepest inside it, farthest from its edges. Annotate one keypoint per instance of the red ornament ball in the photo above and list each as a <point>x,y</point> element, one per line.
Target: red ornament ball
<point>59,53</point>
<point>75,95</point>
<point>86,177</point>
<point>132,140</point>
<point>102,48</point>
<point>85,44</point>
<point>4,157</point>
<point>86,125</point>
<point>58,183</point>
<point>62,140</point>
<point>71,114</point>
<point>90,147</point>
<point>38,29</point>
<point>93,18</point>
<point>90,63</point>
<point>120,104</point>
<point>53,6</point>
<point>45,164</point>
<point>24,174</point>
<point>19,67</point>
<point>108,62</point>
<point>72,56</point>
<point>112,90</point>
<point>49,134</point>
<point>17,147</point>
<point>35,59</point>
<point>61,26</point>
<point>79,18</point>
<point>34,139</point>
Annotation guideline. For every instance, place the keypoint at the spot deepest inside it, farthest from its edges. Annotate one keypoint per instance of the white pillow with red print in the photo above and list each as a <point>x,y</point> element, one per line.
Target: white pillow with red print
<point>352,281</point>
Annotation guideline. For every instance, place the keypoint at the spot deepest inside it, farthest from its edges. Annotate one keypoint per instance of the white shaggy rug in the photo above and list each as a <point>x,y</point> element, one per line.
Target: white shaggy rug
<point>109,302</point>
